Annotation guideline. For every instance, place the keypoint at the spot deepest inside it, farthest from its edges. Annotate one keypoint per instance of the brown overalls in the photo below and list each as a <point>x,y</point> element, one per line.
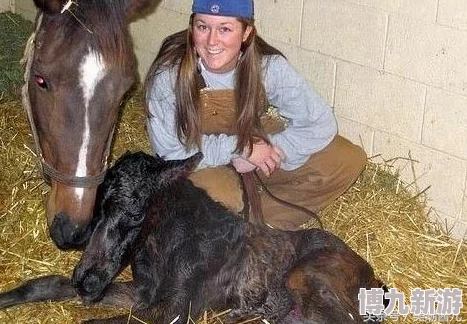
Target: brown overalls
<point>324,177</point>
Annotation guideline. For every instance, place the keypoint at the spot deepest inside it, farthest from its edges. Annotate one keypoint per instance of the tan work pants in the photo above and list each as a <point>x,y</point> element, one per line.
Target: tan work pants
<point>323,178</point>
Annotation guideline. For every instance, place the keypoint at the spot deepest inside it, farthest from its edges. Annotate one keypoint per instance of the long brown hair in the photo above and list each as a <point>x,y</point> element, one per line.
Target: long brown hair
<point>178,49</point>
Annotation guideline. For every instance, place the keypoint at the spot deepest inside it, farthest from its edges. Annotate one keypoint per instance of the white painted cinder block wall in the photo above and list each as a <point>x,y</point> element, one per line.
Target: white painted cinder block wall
<point>5,5</point>
<point>24,7</point>
<point>394,71</point>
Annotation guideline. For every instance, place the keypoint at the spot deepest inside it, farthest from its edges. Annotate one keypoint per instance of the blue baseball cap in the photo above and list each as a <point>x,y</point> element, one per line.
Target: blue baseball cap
<point>232,8</point>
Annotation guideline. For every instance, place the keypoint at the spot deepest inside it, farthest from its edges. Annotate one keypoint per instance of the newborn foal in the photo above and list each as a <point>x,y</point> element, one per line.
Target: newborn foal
<point>189,253</point>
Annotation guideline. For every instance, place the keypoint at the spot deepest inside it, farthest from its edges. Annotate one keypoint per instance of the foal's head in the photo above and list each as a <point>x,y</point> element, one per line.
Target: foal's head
<point>80,66</point>
<point>135,181</point>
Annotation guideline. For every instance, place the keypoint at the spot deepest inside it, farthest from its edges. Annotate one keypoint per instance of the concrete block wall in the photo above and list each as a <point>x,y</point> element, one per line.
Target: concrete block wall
<point>24,7</point>
<point>394,71</point>
<point>5,5</point>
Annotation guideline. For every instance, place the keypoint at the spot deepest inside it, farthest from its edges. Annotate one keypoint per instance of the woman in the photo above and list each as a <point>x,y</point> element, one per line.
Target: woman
<point>217,87</point>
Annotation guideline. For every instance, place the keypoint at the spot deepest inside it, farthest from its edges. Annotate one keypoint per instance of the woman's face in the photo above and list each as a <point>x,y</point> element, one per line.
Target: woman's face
<point>218,40</point>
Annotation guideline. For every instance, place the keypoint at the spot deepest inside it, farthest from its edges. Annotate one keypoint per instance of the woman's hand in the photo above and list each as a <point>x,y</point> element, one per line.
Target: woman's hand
<point>264,156</point>
<point>242,166</point>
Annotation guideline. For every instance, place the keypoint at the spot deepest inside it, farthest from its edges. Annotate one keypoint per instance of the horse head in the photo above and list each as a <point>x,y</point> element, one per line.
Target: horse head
<point>80,63</point>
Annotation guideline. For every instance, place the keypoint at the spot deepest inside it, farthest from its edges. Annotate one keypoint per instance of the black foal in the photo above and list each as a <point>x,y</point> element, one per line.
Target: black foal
<point>188,254</point>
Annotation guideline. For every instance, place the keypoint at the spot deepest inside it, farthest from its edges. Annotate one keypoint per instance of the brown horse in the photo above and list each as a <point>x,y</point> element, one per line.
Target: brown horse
<point>80,63</point>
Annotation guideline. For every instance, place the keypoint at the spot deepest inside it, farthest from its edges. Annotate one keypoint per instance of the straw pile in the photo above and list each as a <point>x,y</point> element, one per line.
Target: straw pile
<point>378,217</point>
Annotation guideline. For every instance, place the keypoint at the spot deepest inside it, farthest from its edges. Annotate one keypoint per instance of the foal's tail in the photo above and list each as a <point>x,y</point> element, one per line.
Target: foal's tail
<point>48,288</point>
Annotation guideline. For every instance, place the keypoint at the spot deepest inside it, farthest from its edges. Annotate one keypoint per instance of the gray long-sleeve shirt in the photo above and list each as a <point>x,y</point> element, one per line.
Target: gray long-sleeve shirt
<point>311,122</point>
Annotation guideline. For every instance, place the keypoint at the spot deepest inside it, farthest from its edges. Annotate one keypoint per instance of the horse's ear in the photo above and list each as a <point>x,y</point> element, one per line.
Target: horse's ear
<point>176,169</point>
<point>50,6</point>
<point>135,8</point>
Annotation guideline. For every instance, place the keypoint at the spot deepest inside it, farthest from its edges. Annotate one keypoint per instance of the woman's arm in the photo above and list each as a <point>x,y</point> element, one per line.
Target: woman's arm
<point>311,121</point>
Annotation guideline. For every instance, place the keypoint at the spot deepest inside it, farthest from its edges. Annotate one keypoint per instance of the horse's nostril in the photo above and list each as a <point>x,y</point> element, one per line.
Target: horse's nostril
<point>65,234</point>
<point>91,283</point>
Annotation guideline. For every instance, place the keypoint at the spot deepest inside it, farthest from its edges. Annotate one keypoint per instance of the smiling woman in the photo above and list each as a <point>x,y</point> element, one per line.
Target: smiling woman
<point>211,88</point>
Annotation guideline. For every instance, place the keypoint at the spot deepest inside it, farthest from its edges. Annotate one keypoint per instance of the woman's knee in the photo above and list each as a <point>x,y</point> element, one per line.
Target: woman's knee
<point>222,184</point>
<point>356,159</point>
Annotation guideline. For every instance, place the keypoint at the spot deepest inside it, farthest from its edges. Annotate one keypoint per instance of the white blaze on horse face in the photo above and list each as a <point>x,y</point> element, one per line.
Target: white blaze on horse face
<point>91,72</point>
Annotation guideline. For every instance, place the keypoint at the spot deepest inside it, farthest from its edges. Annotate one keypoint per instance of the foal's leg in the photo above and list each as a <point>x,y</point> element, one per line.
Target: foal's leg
<point>120,294</point>
<point>274,308</point>
<point>59,288</point>
<point>277,305</point>
<point>147,267</point>
<point>48,288</point>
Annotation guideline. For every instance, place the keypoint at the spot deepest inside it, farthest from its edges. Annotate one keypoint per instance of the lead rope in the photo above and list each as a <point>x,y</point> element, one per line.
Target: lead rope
<point>287,203</point>
<point>27,62</point>
<point>250,179</point>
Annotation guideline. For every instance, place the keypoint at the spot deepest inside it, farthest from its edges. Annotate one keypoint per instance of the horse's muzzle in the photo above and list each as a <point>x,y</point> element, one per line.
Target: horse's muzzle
<point>90,283</point>
<point>66,235</point>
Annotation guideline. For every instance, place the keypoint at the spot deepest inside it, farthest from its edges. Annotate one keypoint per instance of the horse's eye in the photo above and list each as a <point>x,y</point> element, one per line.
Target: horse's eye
<point>41,83</point>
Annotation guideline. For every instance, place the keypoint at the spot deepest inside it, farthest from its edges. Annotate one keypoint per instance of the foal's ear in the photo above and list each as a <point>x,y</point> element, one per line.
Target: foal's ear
<point>177,169</point>
<point>136,7</point>
<point>50,6</point>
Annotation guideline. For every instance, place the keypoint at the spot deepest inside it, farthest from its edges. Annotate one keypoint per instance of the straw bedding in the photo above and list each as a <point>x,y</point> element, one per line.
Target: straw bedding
<point>379,217</point>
